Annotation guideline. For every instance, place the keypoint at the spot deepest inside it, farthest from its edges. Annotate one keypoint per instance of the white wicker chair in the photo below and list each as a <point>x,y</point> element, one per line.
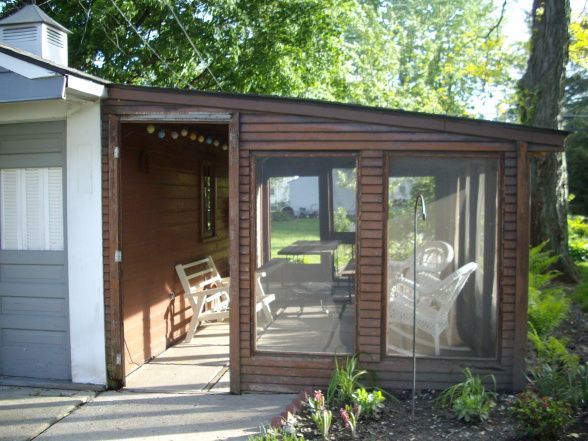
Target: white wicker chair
<point>432,258</point>
<point>433,303</point>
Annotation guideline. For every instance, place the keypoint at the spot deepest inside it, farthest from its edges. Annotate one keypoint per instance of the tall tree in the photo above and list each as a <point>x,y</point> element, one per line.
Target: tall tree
<point>540,94</point>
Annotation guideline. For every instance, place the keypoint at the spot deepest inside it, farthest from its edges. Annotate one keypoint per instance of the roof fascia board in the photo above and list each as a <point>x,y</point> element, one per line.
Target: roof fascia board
<point>85,87</point>
<point>326,110</point>
<point>24,68</point>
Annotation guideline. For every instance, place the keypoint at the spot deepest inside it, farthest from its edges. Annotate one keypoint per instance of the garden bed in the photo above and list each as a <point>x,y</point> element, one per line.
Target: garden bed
<point>430,422</point>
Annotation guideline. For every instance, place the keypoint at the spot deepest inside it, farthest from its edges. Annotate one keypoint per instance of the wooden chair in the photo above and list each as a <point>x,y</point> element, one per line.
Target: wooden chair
<point>206,290</point>
<point>263,300</point>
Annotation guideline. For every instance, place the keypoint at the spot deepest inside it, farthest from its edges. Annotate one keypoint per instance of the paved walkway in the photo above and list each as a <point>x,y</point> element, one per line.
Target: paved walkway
<point>181,395</point>
<point>60,415</point>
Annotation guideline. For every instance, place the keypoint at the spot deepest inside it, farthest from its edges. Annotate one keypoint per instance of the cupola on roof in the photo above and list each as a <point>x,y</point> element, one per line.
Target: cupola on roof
<point>31,30</point>
<point>31,14</point>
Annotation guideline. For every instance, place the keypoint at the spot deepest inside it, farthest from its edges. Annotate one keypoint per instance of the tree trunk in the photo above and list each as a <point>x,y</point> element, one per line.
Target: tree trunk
<point>539,103</point>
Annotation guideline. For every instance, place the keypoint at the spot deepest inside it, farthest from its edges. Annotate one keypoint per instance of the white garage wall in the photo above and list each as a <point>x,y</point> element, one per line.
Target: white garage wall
<point>84,243</point>
<point>84,227</point>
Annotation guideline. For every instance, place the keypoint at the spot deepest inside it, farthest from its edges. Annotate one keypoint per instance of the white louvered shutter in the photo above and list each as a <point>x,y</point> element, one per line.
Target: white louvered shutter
<point>10,234</point>
<point>31,209</point>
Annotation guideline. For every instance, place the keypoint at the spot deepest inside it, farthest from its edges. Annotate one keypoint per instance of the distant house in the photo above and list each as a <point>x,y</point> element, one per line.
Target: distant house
<point>105,188</point>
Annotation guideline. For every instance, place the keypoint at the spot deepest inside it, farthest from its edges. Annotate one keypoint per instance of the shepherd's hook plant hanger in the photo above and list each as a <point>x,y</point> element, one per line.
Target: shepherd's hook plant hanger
<point>414,285</point>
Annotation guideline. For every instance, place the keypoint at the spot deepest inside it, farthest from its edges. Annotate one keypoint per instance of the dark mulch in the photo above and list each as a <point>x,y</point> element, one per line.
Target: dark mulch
<point>429,423</point>
<point>432,423</point>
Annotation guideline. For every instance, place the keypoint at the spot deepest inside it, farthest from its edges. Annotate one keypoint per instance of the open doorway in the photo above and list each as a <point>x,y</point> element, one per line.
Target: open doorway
<point>174,205</point>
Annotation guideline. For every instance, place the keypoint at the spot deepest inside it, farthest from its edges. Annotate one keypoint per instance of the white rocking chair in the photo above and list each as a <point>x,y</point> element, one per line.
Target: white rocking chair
<point>206,290</point>
<point>433,303</point>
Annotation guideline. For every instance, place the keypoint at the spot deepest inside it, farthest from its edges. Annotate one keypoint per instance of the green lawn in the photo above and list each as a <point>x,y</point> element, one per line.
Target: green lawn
<point>286,232</point>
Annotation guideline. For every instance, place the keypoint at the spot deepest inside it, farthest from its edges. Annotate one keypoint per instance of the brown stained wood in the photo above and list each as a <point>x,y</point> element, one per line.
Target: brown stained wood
<point>116,375</point>
<point>370,253</point>
<point>287,371</point>
<point>337,111</point>
<point>458,146</point>
<point>234,243</point>
<point>251,130</point>
<point>344,132</point>
<point>161,226</point>
<point>522,268</point>
<point>369,133</point>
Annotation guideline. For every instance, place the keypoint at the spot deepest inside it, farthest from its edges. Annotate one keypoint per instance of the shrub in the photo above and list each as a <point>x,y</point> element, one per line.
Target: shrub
<point>344,382</point>
<point>541,417</point>
<point>581,291</point>
<point>469,400</point>
<point>548,304</point>
<point>578,386</point>
<point>557,373</point>
<point>578,238</point>
<point>281,216</point>
<point>370,403</point>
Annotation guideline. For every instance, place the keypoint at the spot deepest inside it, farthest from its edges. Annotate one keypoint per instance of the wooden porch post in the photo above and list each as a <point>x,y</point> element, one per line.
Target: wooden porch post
<point>234,322</point>
<point>522,265</point>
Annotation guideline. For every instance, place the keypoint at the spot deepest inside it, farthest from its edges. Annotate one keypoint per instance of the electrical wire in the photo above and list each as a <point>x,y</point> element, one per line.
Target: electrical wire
<point>145,42</point>
<point>196,51</point>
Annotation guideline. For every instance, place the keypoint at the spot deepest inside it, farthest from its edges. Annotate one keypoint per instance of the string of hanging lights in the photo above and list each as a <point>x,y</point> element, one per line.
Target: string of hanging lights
<point>185,133</point>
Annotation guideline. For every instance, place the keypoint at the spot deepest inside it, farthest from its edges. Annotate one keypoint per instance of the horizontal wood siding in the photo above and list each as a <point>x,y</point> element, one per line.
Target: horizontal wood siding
<point>370,255</point>
<point>266,130</point>
<point>291,373</point>
<point>161,227</point>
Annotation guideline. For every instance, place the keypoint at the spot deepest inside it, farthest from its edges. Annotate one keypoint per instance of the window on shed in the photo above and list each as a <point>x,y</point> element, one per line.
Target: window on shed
<point>208,200</point>
<point>456,256</point>
<point>305,272</point>
<point>31,209</point>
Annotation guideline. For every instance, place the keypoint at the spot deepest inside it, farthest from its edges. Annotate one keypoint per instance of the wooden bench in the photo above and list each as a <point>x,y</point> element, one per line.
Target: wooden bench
<point>206,290</point>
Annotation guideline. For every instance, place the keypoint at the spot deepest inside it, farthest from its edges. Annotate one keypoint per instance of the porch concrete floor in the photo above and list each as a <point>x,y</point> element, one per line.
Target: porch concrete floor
<point>186,368</point>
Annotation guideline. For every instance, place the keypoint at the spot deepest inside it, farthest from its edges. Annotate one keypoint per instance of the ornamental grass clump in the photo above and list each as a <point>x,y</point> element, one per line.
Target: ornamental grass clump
<point>321,416</point>
<point>344,382</point>
<point>469,400</point>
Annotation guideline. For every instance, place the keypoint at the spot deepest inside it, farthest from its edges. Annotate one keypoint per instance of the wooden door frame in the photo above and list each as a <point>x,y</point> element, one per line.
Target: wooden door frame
<point>112,179</point>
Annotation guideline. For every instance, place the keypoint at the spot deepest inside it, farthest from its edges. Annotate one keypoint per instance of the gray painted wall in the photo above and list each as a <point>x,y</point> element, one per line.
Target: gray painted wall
<point>34,324</point>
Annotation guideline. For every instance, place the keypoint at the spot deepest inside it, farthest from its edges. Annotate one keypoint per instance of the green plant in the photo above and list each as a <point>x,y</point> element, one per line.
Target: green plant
<point>578,238</point>
<point>370,403</point>
<point>344,381</point>
<point>321,416</point>
<point>541,417</point>
<point>580,294</point>
<point>341,220</point>
<point>578,386</point>
<point>548,304</point>
<point>350,417</point>
<point>274,434</point>
<point>469,400</point>
<point>552,350</point>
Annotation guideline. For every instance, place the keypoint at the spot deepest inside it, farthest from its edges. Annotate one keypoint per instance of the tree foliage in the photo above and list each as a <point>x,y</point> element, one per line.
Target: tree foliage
<point>576,117</point>
<point>434,56</point>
